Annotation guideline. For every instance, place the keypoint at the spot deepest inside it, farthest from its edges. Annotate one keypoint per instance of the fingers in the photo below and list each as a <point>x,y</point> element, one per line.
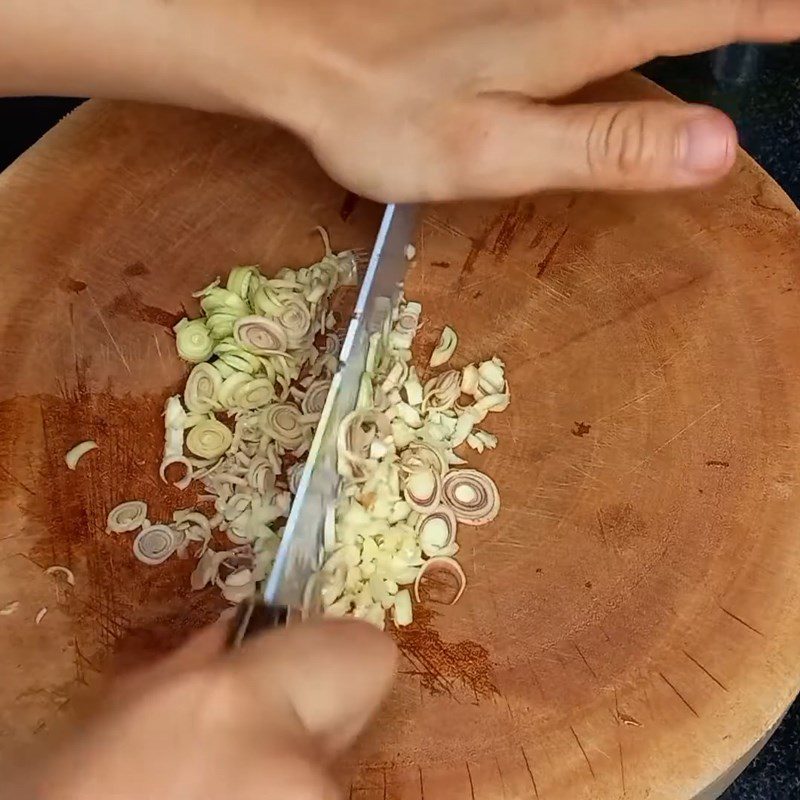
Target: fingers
<point>601,39</point>
<point>644,30</point>
<point>333,675</point>
<point>643,146</point>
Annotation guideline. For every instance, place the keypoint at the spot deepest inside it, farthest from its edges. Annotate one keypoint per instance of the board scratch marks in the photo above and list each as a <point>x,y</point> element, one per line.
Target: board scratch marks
<point>421,785</point>
<point>588,665</point>
<point>680,433</point>
<point>583,751</point>
<point>471,784</point>
<point>602,528</point>
<point>550,255</point>
<point>15,480</point>
<point>530,773</point>
<point>515,220</point>
<point>622,768</point>
<point>741,621</point>
<point>678,694</point>
<point>479,243</point>
<point>701,667</point>
<point>444,227</point>
<point>502,777</point>
<point>103,322</point>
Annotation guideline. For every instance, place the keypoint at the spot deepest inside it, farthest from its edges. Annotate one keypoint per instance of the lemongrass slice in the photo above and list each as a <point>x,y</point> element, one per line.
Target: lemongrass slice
<point>207,568</point>
<point>167,462</point>
<point>445,348</point>
<point>193,340</point>
<point>314,400</point>
<point>423,490</point>
<point>241,279</point>
<point>78,452</point>
<point>332,345</point>
<point>442,391</point>
<point>293,475</point>
<point>447,563</point>
<point>492,376</point>
<point>469,379</point>
<point>281,421</point>
<point>402,613</point>
<point>423,454</point>
<point>472,495</point>
<point>295,318</point>
<point>209,439</point>
<point>437,531</point>
<point>260,335</point>
<point>238,586</point>
<point>9,608</point>
<point>57,569</point>
<point>202,388</point>
<point>40,615</point>
<point>232,384</point>
<point>126,517</point>
<point>154,545</point>
<point>254,394</point>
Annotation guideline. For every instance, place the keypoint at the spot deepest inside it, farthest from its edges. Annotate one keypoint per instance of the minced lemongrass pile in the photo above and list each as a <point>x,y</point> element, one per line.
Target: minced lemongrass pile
<point>264,353</point>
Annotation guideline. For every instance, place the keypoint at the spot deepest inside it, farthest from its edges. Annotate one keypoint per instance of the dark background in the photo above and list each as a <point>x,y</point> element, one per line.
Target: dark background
<point>759,87</point>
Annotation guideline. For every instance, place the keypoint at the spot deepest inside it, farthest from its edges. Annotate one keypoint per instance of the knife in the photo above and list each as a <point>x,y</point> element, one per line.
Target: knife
<point>291,591</point>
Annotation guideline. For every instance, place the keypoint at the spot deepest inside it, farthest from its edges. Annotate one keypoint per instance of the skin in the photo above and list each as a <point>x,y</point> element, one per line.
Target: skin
<point>262,723</point>
<point>399,101</point>
<point>443,99</point>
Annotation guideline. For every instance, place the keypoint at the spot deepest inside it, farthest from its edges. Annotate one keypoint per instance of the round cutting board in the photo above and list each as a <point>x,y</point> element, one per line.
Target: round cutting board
<point>629,628</point>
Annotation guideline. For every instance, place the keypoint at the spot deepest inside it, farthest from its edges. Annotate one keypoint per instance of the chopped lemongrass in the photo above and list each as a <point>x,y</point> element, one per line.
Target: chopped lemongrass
<point>57,569</point>
<point>445,348</point>
<point>193,340</point>
<point>9,608</point>
<point>209,439</point>
<point>401,609</point>
<point>155,544</point>
<point>448,563</point>
<point>265,358</point>
<point>471,495</point>
<point>76,453</point>
<point>126,517</point>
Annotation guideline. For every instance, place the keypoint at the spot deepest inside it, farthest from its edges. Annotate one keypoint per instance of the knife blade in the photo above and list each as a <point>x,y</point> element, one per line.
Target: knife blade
<point>301,552</point>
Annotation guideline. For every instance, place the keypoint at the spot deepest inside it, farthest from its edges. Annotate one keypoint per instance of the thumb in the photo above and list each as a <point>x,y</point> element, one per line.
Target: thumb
<point>617,146</point>
<point>651,145</point>
<point>332,675</point>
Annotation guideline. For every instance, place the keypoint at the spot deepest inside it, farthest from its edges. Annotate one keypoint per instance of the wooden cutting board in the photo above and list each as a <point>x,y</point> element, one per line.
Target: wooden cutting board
<point>630,627</point>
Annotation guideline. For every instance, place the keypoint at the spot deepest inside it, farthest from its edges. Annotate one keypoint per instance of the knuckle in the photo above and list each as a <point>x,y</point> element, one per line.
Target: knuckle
<point>620,142</point>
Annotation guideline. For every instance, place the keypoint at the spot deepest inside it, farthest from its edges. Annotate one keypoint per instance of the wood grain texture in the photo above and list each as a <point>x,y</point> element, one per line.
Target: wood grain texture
<point>629,629</point>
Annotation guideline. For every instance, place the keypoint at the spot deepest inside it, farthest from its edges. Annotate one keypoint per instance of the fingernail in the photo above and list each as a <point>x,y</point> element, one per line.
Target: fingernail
<point>708,144</point>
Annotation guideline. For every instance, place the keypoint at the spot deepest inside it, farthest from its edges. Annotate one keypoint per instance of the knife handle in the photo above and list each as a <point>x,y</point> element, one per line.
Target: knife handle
<point>255,616</point>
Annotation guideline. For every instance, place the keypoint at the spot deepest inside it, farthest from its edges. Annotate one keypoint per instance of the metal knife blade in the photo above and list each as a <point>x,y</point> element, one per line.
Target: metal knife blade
<point>300,554</point>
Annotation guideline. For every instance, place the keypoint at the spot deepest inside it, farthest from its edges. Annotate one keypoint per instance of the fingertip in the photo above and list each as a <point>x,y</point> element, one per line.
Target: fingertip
<point>706,145</point>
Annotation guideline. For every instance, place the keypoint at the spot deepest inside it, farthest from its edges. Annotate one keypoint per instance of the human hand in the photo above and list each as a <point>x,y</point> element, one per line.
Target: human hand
<point>429,101</point>
<point>204,724</point>
<point>412,100</point>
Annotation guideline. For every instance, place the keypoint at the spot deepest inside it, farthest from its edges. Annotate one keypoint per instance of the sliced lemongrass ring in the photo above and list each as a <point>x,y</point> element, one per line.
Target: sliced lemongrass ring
<point>126,517</point>
<point>472,495</point>
<point>437,531</point>
<point>444,562</point>
<point>209,439</point>
<point>314,400</point>
<point>423,490</point>
<point>154,545</point>
<point>259,334</point>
